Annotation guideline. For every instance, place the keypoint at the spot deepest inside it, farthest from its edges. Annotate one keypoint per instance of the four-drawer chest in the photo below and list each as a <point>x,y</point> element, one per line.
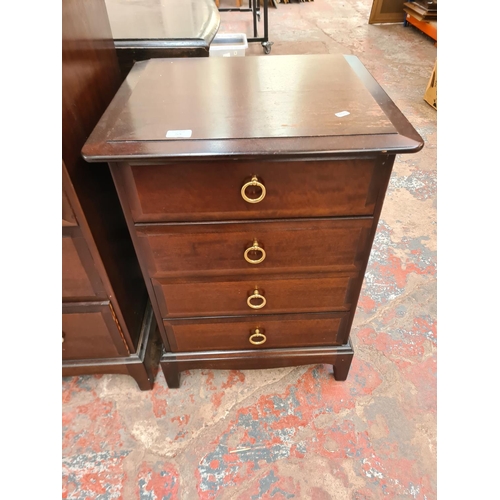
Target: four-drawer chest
<point>252,188</point>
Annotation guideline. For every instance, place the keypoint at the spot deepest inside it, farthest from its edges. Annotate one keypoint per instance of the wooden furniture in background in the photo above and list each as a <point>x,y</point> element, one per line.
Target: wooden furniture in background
<point>252,208</point>
<point>423,15</point>
<point>387,11</point>
<point>420,11</point>
<point>107,323</point>
<point>427,27</point>
<point>430,95</point>
<point>146,29</point>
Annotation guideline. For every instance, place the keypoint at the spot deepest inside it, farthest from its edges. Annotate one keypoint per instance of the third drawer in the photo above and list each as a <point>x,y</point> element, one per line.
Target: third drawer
<point>231,296</point>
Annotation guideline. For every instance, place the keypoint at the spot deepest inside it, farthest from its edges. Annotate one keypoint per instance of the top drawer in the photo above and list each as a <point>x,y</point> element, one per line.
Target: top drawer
<point>194,191</point>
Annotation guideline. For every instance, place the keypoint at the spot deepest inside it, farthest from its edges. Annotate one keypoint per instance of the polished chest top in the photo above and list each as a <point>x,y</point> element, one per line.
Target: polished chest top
<point>252,188</point>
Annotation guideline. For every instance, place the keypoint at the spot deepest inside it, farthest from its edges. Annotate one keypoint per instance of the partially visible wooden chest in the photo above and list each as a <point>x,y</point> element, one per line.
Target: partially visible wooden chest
<point>107,321</point>
<point>252,207</point>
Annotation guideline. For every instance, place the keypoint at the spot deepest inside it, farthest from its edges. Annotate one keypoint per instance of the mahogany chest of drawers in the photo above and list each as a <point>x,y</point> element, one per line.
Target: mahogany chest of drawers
<point>252,188</point>
<point>107,320</point>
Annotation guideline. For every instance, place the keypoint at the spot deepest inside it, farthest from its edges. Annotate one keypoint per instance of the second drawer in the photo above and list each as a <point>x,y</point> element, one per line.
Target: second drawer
<point>298,246</point>
<point>228,296</point>
<point>258,332</point>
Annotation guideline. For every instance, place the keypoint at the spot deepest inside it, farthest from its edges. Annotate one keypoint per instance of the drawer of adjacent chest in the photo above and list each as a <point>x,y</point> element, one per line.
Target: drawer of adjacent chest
<point>257,332</point>
<point>231,190</point>
<point>269,246</point>
<point>80,279</point>
<point>225,296</point>
<point>90,331</point>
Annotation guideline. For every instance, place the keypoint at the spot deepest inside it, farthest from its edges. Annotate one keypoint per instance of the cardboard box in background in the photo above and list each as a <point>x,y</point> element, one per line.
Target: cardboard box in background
<point>430,95</point>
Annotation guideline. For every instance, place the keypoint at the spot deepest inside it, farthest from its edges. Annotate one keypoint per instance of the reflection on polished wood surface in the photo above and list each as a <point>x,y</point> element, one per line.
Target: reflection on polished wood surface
<point>251,106</point>
<point>147,29</point>
<point>163,19</point>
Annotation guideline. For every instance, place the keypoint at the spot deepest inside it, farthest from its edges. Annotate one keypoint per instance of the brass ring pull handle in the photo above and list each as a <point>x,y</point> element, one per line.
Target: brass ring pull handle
<point>257,337</point>
<point>256,295</point>
<point>253,182</point>
<point>254,248</point>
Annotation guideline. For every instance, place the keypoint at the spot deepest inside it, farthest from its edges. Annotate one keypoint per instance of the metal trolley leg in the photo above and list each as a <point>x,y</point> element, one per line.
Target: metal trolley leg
<point>254,8</point>
<point>266,43</point>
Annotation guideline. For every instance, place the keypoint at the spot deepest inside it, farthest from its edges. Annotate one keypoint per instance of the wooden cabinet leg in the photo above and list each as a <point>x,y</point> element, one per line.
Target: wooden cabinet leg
<point>142,376</point>
<point>172,375</point>
<point>342,366</point>
<point>144,372</point>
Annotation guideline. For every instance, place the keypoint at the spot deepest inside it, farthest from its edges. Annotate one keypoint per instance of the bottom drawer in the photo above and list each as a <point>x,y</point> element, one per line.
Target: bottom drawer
<point>251,332</point>
<point>89,331</point>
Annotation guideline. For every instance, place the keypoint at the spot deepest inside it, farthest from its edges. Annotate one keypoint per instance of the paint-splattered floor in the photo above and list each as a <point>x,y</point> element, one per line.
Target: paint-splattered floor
<point>295,432</point>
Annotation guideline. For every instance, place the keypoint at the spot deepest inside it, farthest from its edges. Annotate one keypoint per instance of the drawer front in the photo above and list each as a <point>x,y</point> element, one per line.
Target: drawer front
<point>89,331</point>
<point>212,190</point>
<point>295,246</point>
<point>291,330</point>
<point>259,295</point>
<point>79,276</point>
<point>68,216</point>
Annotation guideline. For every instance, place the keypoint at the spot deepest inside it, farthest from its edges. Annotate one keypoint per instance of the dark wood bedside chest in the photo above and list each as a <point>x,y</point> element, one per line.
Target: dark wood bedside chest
<point>252,188</point>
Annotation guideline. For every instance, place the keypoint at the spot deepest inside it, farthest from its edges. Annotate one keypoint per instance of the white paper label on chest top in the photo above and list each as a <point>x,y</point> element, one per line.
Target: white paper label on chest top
<point>175,134</point>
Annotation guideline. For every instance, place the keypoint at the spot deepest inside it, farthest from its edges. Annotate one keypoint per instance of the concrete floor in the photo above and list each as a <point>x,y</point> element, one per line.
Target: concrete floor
<point>295,432</point>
